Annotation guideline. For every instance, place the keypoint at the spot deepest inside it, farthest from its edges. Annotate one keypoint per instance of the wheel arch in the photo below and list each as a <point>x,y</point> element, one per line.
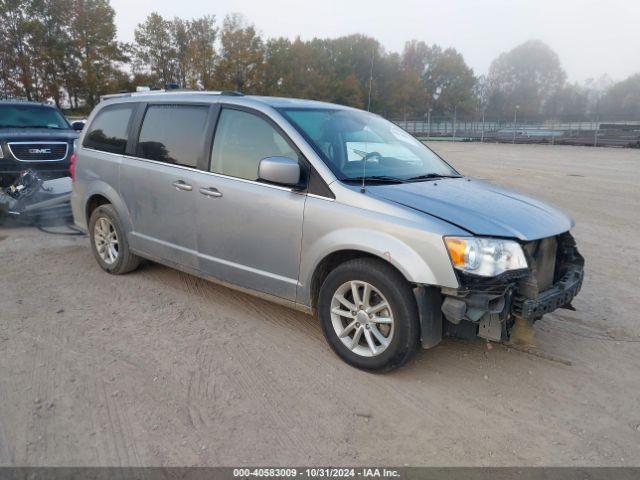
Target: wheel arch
<point>360,243</point>
<point>101,193</point>
<point>94,202</point>
<point>330,262</point>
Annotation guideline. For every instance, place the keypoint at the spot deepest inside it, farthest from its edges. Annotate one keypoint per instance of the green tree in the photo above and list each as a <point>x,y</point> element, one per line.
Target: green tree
<point>278,67</point>
<point>49,27</point>
<point>98,53</point>
<point>16,28</point>
<point>527,76</point>
<point>180,31</point>
<point>449,81</point>
<point>399,91</point>
<point>202,51</point>
<point>570,102</point>
<point>623,98</point>
<point>154,49</point>
<point>348,92</point>
<point>354,57</point>
<point>242,54</point>
<point>436,79</point>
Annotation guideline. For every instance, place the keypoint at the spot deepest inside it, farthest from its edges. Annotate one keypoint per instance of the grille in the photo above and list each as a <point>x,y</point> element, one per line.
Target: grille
<point>38,151</point>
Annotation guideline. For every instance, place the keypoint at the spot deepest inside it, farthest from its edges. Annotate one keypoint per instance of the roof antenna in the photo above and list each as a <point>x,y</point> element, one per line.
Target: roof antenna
<point>364,159</point>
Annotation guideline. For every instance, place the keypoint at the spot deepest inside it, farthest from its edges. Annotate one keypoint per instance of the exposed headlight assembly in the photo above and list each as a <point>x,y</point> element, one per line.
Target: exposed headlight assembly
<point>487,257</point>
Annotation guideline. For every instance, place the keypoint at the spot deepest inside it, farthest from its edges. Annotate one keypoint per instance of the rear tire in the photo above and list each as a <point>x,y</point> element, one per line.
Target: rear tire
<point>389,336</point>
<point>109,242</point>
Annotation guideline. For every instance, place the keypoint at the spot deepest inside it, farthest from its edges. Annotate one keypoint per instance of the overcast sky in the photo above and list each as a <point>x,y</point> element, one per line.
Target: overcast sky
<point>592,37</point>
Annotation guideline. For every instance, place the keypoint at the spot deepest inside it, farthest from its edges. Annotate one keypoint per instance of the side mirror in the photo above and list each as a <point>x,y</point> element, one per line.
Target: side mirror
<point>279,170</point>
<point>77,125</point>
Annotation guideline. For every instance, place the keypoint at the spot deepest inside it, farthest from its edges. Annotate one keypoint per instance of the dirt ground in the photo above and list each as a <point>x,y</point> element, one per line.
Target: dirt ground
<point>161,368</point>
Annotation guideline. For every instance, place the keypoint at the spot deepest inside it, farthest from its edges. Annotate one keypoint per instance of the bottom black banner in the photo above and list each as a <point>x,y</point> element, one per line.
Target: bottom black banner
<point>409,473</point>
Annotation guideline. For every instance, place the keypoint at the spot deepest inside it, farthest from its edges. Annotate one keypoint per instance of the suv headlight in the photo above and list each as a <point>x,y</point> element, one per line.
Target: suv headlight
<point>486,257</point>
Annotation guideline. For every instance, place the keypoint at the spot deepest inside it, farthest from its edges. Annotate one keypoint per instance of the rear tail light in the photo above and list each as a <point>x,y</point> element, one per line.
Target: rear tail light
<point>72,166</point>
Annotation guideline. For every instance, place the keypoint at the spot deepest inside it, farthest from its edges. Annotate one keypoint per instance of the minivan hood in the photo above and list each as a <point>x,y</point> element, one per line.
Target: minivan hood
<point>478,206</point>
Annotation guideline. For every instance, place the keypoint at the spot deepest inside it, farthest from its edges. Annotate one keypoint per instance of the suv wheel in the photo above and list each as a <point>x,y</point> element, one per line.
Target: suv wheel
<point>109,243</point>
<point>369,315</point>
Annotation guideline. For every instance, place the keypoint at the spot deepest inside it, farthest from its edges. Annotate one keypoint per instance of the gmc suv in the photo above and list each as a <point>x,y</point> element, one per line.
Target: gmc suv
<point>34,136</point>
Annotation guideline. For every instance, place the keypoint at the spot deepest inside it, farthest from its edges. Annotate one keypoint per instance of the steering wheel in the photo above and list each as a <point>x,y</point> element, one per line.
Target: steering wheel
<point>372,156</point>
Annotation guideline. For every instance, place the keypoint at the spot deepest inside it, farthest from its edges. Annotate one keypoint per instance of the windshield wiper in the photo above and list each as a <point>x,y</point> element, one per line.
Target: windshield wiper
<point>376,178</point>
<point>431,176</point>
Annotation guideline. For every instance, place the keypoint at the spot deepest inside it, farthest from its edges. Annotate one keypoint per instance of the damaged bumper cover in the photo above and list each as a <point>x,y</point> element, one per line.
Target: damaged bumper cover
<point>487,307</point>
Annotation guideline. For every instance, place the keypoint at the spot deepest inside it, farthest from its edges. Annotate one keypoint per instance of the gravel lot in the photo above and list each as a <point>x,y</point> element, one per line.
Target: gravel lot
<point>161,368</point>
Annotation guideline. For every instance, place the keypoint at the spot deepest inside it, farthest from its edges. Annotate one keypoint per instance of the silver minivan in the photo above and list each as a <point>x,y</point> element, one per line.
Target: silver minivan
<point>328,209</point>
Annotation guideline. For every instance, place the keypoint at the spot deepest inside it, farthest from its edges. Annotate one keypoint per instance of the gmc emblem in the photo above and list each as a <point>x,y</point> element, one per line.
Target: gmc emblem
<point>39,150</point>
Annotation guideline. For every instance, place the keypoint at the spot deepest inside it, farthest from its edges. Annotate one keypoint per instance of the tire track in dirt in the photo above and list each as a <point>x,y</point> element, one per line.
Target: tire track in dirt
<point>7,452</point>
<point>198,388</point>
<point>42,403</point>
<point>239,302</point>
<point>123,443</point>
<point>262,386</point>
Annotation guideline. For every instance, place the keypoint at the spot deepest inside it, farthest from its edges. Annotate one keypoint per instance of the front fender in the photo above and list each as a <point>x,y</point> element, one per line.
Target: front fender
<point>381,244</point>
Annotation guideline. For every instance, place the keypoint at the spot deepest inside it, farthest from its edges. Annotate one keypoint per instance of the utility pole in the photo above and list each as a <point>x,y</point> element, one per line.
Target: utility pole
<point>482,131</point>
<point>429,124</point>
<point>597,127</point>
<point>515,122</point>
<point>455,112</point>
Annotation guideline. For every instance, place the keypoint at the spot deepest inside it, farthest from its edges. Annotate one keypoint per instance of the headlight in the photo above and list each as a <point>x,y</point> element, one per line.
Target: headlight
<point>486,257</point>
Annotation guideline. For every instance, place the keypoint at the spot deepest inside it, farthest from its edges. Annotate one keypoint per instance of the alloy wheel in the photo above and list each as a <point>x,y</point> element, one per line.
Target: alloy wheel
<point>362,318</point>
<point>106,240</point>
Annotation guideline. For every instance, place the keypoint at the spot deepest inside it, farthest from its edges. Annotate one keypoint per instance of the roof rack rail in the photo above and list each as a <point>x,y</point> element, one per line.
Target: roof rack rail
<point>231,93</point>
<point>114,95</point>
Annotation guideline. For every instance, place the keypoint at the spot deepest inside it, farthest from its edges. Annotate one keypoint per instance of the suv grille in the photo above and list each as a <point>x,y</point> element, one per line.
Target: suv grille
<point>39,151</point>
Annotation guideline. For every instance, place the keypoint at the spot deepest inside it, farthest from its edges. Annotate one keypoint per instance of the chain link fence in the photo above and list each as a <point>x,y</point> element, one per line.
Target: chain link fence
<point>610,133</point>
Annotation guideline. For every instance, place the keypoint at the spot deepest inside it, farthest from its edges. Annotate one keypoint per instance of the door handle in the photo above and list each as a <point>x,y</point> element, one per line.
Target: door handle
<point>211,192</point>
<point>180,185</point>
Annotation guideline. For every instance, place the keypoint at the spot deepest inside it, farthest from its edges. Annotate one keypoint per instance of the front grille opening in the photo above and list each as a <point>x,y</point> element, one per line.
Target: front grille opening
<point>38,151</point>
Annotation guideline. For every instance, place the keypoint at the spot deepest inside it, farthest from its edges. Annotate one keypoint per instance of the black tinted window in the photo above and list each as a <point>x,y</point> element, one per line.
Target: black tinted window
<point>108,131</point>
<point>173,134</point>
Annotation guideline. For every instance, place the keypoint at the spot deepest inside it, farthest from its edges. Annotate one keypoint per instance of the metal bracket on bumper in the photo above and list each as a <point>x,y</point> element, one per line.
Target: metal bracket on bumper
<point>558,296</point>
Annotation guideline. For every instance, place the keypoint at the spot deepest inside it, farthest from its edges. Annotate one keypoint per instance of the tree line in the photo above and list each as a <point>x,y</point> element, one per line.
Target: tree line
<point>67,51</point>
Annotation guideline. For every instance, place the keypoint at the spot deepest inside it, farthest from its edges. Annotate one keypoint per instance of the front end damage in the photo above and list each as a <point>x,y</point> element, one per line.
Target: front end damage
<point>490,307</point>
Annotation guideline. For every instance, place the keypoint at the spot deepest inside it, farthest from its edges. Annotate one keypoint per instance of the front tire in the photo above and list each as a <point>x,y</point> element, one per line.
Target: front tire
<point>369,315</point>
<point>109,242</point>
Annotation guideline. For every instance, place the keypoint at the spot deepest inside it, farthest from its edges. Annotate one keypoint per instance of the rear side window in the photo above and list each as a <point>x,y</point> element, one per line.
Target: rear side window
<point>108,131</point>
<point>173,134</point>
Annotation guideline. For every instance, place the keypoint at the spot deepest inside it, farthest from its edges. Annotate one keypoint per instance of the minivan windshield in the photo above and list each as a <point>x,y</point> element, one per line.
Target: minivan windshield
<point>356,144</point>
<point>31,116</point>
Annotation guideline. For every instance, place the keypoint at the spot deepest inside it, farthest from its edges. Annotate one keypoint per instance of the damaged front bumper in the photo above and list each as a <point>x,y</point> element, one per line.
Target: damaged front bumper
<point>558,296</point>
<point>488,307</point>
